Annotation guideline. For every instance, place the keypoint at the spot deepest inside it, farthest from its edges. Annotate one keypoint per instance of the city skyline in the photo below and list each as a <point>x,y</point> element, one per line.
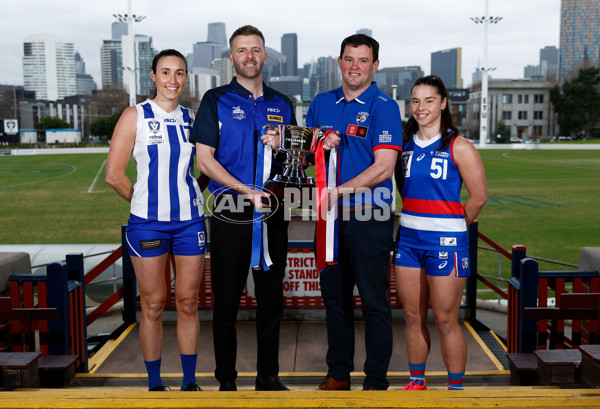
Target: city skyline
<point>407,33</point>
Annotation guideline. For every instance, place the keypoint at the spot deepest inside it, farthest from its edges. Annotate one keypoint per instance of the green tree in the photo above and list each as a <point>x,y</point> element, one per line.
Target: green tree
<point>99,127</point>
<point>105,126</point>
<point>50,122</point>
<point>577,103</point>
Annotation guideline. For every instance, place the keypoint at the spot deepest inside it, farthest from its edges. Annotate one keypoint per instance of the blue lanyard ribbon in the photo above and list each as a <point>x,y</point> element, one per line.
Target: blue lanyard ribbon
<point>260,244</point>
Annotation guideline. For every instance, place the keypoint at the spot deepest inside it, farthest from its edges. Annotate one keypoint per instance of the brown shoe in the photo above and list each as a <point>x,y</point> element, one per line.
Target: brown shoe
<point>369,388</point>
<point>330,384</point>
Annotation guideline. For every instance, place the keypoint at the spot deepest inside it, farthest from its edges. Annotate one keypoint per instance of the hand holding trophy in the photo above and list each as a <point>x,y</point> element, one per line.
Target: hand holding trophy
<point>299,144</point>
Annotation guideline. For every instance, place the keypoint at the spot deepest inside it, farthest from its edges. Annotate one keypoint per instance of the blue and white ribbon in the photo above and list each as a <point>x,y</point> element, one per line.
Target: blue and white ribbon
<point>260,243</point>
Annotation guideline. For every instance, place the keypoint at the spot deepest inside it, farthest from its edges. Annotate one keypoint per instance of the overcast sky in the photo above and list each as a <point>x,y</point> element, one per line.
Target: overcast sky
<point>408,31</point>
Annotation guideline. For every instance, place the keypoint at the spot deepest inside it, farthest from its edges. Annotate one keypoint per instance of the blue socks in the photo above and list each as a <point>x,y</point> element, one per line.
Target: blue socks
<point>417,372</point>
<point>456,381</point>
<point>188,365</point>
<point>153,369</point>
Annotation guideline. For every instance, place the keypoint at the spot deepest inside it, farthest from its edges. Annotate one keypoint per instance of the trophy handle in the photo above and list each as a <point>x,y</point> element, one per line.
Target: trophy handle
<point>317,135</point>
<point>273,128</point>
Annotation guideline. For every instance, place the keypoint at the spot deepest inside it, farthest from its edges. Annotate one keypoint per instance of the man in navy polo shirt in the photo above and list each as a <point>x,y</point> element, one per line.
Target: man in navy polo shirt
<point>367,131</point>
<point>227,131</point>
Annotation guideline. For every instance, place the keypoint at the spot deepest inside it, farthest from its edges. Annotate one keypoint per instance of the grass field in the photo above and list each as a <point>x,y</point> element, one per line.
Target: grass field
<point>548,201</point>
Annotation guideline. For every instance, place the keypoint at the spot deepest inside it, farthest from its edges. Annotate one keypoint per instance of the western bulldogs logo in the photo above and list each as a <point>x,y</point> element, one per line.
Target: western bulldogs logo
<point>362,117</point>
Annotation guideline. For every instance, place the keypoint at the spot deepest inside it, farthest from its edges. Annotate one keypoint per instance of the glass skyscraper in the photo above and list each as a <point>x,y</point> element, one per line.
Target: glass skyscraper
<point>579,36</point>
<point>289,48</point>
<point>216,34</point>
<point>446,64</point>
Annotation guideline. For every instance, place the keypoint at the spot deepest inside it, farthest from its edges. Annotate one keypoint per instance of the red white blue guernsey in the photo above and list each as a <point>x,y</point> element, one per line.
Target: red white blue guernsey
<point>166,189</point>
<point>433,217</point>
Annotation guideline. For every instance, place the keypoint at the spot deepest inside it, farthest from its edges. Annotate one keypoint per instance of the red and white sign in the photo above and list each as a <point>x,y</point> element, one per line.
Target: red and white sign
<point>301,277</point>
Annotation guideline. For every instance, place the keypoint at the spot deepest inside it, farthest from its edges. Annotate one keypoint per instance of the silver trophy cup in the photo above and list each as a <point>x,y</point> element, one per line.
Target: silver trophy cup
<point>298,143</point>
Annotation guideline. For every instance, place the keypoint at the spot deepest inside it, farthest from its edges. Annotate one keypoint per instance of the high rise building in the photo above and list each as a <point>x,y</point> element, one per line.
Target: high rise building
<point>111,56</point>
<point>49,67</point>
<point>118,30</point>
<point>225,69</point>
<point>289,48</point>
<point>547,70</point>
<point>549,57</point>
<point>447,64</point>
<point>216,34</point>
<point>403,77</point>
<point>274,64</point>
<point>533,72</point>
<point>85,82</point>
<point>579,36</point>
<point>111,63</point>
<point>202,79</point>
<point>204,53</point>
<point>328,73</point>
<point>365,31</point>
<point>144,54</point>
<point>477,75</point>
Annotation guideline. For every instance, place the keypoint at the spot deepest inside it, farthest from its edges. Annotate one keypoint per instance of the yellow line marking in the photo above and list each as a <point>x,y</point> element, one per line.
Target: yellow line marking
<point>498,340</point>
<point>483,346</point>
<point>94,363</point>
<point>437,397</point>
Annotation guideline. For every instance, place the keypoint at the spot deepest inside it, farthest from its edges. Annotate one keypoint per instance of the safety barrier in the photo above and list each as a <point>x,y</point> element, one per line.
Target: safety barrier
<point>62,288</point>
<point>301,284</point>
<point>528,288</point>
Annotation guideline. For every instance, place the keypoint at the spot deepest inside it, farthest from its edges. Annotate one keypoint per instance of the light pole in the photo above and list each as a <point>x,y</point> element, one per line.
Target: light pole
<point>483,114</point>
<point>131,66</point>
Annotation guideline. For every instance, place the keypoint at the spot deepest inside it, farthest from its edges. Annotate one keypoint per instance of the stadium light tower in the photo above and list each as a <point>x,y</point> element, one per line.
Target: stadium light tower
<point>131,66</point>
<point>483,114</point>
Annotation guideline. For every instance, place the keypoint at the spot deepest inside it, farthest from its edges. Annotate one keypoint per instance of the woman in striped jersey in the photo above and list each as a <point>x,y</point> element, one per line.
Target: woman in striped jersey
<point>432,249</point>
<point>166,212</point>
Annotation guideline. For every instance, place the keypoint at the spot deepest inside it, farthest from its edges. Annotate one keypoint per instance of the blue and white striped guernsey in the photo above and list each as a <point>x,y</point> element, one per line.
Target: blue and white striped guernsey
<point>166,189</point>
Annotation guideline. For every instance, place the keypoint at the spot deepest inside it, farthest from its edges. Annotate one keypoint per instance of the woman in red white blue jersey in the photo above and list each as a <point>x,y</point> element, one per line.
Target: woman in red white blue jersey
<point>432,248</point>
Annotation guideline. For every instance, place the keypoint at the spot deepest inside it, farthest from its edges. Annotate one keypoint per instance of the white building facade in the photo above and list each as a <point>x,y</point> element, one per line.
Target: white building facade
<point>49,67</point>
<point>522,106</point>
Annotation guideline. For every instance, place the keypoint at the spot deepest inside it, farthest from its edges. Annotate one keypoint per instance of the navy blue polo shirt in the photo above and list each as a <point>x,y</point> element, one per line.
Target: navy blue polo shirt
<point>231,120</point>
<point>367,123</point>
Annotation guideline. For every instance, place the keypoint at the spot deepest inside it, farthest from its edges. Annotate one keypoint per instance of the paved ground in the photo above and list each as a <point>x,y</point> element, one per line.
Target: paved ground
<point>302,355</point>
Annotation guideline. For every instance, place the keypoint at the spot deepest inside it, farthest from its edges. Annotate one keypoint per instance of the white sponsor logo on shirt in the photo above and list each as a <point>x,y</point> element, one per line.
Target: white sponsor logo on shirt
<point>448,241</point>
<point>385,137</point>
<point>154,139</point>
<point>238,113</point>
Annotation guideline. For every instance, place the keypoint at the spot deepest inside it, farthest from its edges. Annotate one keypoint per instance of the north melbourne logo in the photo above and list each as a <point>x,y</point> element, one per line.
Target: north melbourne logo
<point>238,113</point>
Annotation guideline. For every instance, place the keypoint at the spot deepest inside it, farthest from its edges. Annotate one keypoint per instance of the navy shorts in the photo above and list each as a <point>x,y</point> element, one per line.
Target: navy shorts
<point>151,238</point>
<point>435,263</point>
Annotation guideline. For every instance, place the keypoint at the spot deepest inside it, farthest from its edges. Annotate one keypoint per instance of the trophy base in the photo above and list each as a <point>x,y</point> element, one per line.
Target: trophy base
<point>292,194</point>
